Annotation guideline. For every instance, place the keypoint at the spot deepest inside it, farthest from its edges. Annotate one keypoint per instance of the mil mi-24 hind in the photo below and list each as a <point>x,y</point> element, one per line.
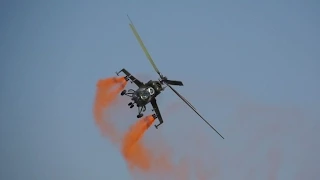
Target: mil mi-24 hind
<point>147,92</point>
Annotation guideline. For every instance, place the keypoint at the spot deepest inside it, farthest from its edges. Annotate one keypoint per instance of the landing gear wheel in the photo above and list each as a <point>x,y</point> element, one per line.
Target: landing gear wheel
<point>123,92</point>
<point>139,115</point>
<point>131,106</point>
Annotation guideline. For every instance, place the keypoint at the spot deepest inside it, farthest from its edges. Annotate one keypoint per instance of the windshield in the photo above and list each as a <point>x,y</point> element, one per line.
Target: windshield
<point>144,95</point>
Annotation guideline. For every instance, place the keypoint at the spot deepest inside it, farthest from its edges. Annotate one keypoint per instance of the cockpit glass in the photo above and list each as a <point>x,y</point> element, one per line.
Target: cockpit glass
<point>151,91</point>
<point>144,95</point>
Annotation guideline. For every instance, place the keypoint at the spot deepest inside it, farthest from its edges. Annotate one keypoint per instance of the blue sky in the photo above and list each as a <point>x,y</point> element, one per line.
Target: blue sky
<point>250,67</point>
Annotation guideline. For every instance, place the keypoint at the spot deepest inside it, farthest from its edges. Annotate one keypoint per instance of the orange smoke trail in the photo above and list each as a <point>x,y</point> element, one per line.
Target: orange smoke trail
<point>133,150</point>
<point>107,91</point>
<point>139,157</point>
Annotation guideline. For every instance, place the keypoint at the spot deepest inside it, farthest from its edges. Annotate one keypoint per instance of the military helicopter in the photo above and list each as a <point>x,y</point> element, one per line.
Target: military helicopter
<point>147,92</point>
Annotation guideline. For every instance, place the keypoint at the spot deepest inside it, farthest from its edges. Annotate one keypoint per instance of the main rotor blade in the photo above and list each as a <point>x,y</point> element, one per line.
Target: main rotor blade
<point>173,82</point>
<point>184,99</point>
<point>135,32</point>
<point>189,104</point>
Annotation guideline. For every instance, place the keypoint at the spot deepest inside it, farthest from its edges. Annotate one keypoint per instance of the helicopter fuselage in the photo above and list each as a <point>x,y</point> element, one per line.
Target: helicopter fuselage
<point>143,95</point>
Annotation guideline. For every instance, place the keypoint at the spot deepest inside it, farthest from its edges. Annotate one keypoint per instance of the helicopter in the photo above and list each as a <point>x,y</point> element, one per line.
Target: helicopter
<point>147,92</point>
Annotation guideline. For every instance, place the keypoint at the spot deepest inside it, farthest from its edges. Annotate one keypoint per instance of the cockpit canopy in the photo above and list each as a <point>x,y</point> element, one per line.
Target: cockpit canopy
<point>150,90</point>
<point>145,93</point>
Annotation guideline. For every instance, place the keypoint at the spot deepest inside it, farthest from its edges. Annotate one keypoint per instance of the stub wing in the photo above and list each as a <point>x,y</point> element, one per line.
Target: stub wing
<point>157,111</point>
<point>131,77</point>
